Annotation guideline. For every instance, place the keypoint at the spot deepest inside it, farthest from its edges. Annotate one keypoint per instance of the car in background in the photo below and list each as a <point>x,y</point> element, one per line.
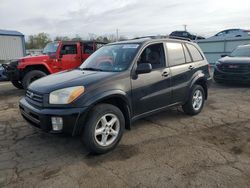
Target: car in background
<point>56,56</point>
<point>235,67</point>
<point>185,34</point>
<point>231,33</point>
<point>3,77</point>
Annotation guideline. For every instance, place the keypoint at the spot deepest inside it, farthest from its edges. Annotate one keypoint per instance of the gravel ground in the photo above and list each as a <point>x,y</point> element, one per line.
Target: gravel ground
<point>169,149</point>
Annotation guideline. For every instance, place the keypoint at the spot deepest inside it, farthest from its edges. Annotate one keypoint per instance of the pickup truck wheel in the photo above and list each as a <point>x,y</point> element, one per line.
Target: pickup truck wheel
<point>31,76</point>
<point>104,128</point>
<point>195,102</point>
<point>17,84</point>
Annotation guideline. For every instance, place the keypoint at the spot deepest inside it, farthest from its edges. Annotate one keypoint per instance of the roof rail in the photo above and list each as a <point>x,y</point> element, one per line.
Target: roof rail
<point>180,38</point>
<point>150,37</point>
<point>161,36</point>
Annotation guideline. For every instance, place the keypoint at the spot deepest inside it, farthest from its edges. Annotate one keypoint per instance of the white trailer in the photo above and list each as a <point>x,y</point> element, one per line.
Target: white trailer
<point>12,45</point>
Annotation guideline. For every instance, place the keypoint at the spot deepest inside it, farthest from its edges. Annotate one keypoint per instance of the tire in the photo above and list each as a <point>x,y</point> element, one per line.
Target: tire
<point>31,76</point>
<point>198,94</point>
<point>95,140</point>
<point>17,84</point>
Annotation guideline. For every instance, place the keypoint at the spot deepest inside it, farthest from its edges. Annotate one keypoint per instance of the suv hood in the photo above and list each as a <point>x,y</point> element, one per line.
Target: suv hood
<point>235,60</point>
<point>69,78</point>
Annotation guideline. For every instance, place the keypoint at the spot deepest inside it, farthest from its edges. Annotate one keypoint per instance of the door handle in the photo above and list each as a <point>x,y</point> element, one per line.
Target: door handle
<point>165,74</point>
<point>191,67</point>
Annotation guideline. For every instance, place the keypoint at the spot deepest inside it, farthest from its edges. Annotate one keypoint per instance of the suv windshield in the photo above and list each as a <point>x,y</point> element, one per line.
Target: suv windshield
<point>241,52</point>
<point>50,48</point>
<point>112,58</point>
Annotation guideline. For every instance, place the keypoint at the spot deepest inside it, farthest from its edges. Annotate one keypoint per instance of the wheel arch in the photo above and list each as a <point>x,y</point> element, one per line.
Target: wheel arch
<point>200,80</point>
<point>41,67</point>
<point>117,99</point>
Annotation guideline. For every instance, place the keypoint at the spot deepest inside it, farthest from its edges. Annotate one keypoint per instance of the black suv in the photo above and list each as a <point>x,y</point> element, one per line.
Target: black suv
<point>118,84</point>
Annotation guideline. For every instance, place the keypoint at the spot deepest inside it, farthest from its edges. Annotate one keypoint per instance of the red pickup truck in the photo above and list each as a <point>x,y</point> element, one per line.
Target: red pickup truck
<point>57,56</point>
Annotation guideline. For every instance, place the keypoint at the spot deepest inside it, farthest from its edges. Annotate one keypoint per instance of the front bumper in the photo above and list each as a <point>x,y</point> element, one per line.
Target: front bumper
<point>41,118</point>
<point>231,77</point>
<point>11,71</point>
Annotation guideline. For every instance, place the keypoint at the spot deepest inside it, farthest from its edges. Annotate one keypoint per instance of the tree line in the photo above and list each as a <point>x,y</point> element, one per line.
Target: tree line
<point>39,40</point>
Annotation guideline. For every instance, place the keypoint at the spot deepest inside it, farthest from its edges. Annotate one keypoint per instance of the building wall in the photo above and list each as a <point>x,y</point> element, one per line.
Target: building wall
<point>213,49</point>
<point>11,47</point>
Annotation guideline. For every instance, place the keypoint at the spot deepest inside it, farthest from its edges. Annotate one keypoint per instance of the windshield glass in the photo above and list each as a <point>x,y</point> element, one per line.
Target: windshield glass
<point>241,52</point>
<point>50,48</point>
<point>113,58</point>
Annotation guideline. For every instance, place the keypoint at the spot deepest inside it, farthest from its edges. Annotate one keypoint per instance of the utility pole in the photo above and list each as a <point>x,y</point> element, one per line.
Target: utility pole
<point>117,34</point>
<point>185,27</point>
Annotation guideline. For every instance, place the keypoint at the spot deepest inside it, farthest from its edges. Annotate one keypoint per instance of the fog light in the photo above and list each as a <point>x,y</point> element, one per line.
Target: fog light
<point>57,123</point>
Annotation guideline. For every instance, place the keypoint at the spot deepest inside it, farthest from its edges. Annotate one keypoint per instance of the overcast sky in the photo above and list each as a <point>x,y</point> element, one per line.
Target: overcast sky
<point>131,17</point>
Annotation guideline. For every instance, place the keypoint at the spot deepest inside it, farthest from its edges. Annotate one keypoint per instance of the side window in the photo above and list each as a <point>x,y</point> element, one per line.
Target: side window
<point>153,54</point>
<point>88,48</point>
<point>69,49</point>
<point>175,53</point>
<point>196,55</point>
<point>187,55</point>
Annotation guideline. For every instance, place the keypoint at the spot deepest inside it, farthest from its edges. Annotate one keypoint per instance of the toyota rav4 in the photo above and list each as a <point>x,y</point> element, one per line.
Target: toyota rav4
<point>118,84</point>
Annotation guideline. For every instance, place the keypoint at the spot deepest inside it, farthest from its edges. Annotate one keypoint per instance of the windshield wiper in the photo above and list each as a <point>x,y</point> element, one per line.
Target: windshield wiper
<point>91,69</point>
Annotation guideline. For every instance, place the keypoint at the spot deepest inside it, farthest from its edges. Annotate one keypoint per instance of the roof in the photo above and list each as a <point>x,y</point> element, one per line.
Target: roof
<point>10,33</point>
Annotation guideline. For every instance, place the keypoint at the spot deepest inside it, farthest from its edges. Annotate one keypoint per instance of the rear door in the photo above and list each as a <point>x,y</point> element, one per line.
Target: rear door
<point>152,90</point>
<point>70,56</point>
<point>181,67</point>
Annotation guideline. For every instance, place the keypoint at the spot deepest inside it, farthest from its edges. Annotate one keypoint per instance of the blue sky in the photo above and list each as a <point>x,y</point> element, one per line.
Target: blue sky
<point>131,17</point>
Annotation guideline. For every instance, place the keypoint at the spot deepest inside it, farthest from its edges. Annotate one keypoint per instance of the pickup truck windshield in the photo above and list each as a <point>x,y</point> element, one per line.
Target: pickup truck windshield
<point>111,58</point>
<point>241,52</point>
<point>50,48</point>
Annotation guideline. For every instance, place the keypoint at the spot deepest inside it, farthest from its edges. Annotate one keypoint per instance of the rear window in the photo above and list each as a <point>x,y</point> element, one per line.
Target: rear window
<point>175,53</point>
<point>196,55</point>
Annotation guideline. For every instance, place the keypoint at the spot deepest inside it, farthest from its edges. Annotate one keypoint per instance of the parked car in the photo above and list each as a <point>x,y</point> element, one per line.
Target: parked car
<point>185,34</point>
<point>235,67</point>
<point>231,33</point>
<point>118,84</point>
<point>2,75</point>
<point>57,56</point>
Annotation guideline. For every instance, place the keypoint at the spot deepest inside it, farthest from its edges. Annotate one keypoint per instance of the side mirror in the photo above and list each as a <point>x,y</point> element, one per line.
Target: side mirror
<point>143,68</point>
<point>224,55</point>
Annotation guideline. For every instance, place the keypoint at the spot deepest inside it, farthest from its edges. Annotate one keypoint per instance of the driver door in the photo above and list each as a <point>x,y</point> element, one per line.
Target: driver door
<point>70,56</point>
<point>152,90</point>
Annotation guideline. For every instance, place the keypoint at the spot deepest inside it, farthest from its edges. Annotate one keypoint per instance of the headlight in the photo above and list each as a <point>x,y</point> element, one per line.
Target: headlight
<point>66,95</point>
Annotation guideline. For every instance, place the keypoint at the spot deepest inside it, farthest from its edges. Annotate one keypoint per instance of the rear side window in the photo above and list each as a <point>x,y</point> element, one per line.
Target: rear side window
<point>196,55</point>
<point>175,54</point>
<point>187,55</point>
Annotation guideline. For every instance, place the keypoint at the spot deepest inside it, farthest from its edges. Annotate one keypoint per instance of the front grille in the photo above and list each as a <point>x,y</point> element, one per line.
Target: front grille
<point>235,68</point>
<point>34,97</point>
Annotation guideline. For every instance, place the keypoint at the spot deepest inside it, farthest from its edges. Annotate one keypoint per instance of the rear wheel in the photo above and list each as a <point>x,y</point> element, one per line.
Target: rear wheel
<point>17,84</point>
<point>31,76</point>
<point>104,128</point>
<point>195,102</point>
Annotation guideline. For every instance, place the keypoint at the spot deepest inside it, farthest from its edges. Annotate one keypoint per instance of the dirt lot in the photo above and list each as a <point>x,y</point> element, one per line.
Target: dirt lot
<point>165,150</point>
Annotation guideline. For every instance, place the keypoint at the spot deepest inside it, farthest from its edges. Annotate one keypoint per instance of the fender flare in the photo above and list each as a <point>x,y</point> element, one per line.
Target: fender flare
<point>102,97</point>
<point>40,64</point>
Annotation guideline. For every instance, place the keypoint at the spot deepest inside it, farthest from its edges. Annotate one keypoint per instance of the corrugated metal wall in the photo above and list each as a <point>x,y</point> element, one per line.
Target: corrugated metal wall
<point>213,49</point>
<point>11,47</point>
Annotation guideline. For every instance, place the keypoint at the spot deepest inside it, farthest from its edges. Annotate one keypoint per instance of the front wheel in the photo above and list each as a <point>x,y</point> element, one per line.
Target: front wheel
<point>195,101</point>
<point>31,76</point>
<point>104,128</point>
